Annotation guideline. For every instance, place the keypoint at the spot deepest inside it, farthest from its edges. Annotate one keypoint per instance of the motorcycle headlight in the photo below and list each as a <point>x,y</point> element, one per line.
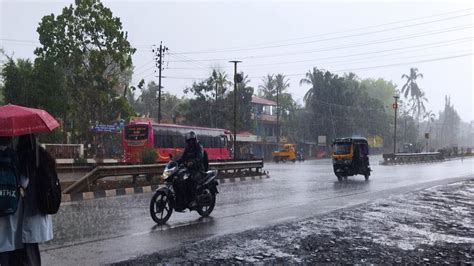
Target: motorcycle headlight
<point>165,175</point>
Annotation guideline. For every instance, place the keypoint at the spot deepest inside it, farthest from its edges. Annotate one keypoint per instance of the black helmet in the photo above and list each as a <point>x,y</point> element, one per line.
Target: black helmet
<point>190,136</point>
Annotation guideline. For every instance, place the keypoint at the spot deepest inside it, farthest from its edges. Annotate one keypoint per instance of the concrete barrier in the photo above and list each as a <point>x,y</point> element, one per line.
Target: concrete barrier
<point>152,169</point>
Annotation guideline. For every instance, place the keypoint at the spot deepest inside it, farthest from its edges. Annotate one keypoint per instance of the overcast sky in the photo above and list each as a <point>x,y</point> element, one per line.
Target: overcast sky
<point>372,39</point>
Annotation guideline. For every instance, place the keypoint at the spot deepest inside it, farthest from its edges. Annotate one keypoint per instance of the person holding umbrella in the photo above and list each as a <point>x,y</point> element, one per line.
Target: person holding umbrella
<point>21,231</point>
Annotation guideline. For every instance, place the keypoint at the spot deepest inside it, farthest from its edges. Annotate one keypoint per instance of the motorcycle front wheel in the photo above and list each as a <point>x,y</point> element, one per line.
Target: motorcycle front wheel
<point>160,207</point>
<point>205,210</point>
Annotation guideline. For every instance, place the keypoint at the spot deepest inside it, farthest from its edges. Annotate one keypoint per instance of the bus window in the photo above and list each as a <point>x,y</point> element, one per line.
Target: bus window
<point>136,132</point>
<point>223,141</point>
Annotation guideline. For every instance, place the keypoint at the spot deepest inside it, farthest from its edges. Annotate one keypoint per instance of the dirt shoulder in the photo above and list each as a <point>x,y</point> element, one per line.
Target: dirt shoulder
<point>432,226</point>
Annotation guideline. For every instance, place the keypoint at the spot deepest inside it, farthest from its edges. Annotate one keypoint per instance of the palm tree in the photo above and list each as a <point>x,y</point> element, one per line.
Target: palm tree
<point>418,105</point>
<point>312,78</point>
<point>417,96</point>
<point>221,82</point>
<point>268,89</point>
<point>411,87</point>
<point>281,84</point>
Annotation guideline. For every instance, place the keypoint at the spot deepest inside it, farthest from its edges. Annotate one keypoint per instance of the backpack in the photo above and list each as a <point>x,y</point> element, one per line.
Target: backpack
<point>47,184</point>
<point>9,190</point>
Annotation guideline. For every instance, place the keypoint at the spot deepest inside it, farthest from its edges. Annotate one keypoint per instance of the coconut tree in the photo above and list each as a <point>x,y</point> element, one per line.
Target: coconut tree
<point>411,87</point>
<point>314,78</point>
<point>413,91</point>
<point>221,82</point>
<point>418,105</point>
<point>281,84</point>
<point>268,88</point>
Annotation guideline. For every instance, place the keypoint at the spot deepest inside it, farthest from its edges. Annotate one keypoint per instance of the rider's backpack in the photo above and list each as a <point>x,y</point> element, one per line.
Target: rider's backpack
<point>47,184</point>
<point>205,161</point>
<point>9,191</point>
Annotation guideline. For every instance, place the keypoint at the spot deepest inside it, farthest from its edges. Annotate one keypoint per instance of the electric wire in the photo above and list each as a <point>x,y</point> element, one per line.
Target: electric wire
<point>396,39</point>
<point>327,39</point>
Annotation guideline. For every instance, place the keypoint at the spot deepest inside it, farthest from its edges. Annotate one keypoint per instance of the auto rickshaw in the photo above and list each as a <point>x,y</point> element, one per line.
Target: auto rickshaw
<point>350,157</point>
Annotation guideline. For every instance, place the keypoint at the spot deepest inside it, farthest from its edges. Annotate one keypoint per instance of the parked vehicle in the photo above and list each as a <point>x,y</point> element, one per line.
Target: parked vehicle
<point>350,157</point>
<point>165,199</point>
<point>286,153</point>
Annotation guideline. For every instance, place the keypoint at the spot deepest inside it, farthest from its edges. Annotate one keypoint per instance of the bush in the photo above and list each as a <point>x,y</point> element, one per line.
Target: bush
<point>148,156</point>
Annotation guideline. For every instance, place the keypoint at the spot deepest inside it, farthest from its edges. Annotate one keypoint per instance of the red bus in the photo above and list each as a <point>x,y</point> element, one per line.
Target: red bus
<point>168,139</point>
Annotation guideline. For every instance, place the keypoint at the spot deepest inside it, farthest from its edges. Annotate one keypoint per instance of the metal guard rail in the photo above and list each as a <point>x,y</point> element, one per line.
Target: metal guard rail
<point>399,158</point>
<point>155,169</point>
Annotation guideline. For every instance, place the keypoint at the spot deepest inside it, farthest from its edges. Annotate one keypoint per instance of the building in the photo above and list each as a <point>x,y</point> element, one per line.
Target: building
<point>263,138</point>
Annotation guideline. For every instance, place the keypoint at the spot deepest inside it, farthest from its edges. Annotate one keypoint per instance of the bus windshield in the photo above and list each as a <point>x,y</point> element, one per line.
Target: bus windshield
<point>342,148</point>
<point>136,132</point>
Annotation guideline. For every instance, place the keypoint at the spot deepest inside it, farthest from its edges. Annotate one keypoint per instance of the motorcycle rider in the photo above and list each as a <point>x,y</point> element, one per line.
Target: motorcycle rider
<point>193,158</point>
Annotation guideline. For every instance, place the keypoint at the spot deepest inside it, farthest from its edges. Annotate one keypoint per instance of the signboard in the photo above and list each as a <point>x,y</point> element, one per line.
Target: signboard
<point>136,132</point>
<point>322,141</point>
<point>375,141</point>
<point>105,128</point>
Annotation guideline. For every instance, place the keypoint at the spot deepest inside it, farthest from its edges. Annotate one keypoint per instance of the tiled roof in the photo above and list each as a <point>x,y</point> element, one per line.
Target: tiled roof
<point>263,101</point>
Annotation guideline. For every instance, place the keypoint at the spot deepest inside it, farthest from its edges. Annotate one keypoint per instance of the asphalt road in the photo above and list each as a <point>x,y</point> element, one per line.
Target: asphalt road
<point>114,229</point>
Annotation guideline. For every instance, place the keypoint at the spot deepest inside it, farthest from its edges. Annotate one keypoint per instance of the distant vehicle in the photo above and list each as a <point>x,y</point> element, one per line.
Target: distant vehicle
<point>287,153</point>
<point>168,141</point>
<point>165,199</point>
<point>299,157</point>
<point>350,157</point>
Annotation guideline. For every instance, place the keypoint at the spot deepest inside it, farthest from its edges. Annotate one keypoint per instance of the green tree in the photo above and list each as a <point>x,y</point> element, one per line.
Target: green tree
<point>37,85</point>
<point>411,88</point>
<point>380,89</point>
<point>339,107</point>
<point>448,124</point>
<point>17,78</point>
<point>87,42</point>
<point>268,88</point>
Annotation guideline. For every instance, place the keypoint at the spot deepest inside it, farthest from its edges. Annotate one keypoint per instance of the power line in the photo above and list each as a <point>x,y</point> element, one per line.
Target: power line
<point>369,27</point>
<point>426,45</point>
<point>352,69</point>
<point>145,64</point>
<point>357,60</point>
<point>398,38</point>
<point>372,59</point>
<point>388,65</point>
<point>188,60</point>
<point>326,39</point>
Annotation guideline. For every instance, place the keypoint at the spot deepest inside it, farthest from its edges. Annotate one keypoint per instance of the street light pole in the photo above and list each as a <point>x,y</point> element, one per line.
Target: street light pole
<point>395,106</point>
<point>235,107</point>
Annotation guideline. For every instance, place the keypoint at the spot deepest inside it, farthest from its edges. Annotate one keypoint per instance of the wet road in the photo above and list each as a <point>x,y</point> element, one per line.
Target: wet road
<point>113,229</point>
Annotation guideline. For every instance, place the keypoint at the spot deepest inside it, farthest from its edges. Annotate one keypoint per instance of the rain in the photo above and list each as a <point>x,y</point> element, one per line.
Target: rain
<point>216,132</point>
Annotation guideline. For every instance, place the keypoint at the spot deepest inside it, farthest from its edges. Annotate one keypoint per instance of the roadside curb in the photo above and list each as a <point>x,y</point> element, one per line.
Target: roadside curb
<point>138,190</point>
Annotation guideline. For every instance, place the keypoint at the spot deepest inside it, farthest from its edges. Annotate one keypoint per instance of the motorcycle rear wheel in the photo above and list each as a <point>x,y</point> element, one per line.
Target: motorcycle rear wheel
<point>160,207</point>
<point>206,210</point>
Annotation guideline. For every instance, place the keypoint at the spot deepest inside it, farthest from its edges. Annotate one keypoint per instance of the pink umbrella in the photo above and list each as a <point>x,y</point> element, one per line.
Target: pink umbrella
<point>18,120</point>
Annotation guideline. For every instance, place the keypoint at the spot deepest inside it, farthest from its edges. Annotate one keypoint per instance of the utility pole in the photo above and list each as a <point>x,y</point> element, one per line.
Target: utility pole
<point>215,107</point>
<point>395,106</point>
<point>278,116</point>
<point>236,80</point>
<point>159,63</point>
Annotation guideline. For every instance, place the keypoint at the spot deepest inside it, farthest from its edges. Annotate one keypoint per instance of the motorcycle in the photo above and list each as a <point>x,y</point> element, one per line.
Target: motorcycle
<point>165,199</point>
<point>299,157</point>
